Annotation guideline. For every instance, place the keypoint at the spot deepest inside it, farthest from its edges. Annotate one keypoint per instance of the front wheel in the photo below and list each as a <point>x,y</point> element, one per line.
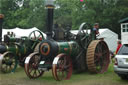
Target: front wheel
<point>8,62</point>
<point>62,67</point>
<point>31,66</point>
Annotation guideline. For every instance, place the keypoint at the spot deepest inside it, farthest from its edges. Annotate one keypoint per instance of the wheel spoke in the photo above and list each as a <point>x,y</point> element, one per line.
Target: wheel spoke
<point>34,35</point>
<point>39,71</point>
<point>38,36</point>
<point>35,73</point>
<point>30,70</point>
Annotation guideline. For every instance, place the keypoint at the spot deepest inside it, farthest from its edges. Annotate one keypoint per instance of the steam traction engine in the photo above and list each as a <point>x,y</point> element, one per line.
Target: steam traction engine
<point>80,52</point>
<point>13,50</point>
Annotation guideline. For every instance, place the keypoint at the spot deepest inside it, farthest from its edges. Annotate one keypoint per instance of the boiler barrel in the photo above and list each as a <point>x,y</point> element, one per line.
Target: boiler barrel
<point>71,48</point>
<point>52,48</point>
<point>12,48</point>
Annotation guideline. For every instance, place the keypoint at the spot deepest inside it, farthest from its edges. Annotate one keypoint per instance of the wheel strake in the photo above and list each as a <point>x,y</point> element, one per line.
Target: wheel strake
<point>97,56</point>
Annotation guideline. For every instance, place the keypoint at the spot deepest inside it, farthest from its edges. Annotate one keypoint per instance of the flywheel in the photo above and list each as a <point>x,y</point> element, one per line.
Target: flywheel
<point>97,56</point>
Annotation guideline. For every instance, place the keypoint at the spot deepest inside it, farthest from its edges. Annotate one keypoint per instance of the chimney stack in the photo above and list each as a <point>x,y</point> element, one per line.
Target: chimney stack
<point>50,10</point>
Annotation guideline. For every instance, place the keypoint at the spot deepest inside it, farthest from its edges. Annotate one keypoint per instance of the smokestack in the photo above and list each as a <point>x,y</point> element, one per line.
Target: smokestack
<point>1,23</point>
<point>50,9</point>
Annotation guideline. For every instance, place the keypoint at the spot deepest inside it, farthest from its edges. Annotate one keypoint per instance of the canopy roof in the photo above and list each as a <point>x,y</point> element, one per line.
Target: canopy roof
<point>125,20</point>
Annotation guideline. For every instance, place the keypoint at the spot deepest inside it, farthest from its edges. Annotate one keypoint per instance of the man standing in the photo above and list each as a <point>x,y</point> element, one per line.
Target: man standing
<point>95,29</point>
<point>118,46</point>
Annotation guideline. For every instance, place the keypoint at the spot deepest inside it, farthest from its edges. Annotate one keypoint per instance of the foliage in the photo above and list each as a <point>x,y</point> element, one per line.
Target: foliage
<point>32,13</point>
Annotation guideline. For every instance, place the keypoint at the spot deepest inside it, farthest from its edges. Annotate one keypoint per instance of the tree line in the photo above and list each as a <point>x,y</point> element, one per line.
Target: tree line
<point>32,13</point>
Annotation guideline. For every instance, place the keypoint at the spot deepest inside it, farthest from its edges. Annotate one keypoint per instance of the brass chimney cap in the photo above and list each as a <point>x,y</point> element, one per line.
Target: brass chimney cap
<point>1,16</point>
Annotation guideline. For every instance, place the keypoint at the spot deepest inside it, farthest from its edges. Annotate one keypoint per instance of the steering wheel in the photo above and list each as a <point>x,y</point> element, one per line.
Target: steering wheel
<point>36,35</point>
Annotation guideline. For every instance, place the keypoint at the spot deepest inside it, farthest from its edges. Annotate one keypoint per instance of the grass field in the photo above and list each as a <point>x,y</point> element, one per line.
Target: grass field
<point>20,78</point>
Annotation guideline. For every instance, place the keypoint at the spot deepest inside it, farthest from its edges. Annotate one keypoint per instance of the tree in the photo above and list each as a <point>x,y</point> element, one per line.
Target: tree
<point>32,13</point>
<point>7,8</point>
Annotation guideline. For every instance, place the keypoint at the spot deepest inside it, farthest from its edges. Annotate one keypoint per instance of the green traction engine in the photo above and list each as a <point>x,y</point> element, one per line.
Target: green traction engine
<point>13,50</point>
<point>64,52</point>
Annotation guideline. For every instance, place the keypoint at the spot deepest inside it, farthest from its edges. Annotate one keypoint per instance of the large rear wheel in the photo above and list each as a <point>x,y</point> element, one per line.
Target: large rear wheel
<point>97,56</point>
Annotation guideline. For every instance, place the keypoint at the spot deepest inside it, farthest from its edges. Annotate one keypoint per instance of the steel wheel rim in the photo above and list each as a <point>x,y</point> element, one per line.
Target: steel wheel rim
<point>62,70</point>
<point>31,67</point>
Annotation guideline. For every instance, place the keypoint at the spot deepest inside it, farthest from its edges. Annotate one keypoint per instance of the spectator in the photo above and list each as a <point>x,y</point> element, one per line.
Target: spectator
<point>118,46</point>
<point>111,54</point>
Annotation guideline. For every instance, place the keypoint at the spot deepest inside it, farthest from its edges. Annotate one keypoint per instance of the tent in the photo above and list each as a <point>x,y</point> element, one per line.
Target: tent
<point>109,36</point>
<point>20,32</point>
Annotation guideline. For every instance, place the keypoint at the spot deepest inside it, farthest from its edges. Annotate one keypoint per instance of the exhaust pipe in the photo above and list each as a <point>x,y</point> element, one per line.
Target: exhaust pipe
<point>50,10</point>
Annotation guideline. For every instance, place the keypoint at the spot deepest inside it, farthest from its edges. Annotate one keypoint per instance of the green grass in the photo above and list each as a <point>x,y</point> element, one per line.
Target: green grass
<point>20,78</point>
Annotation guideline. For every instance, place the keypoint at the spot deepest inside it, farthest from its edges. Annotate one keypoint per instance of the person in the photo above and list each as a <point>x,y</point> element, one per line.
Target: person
<point>95,29</point>
<point>118,46</point>
<point>111,54</point>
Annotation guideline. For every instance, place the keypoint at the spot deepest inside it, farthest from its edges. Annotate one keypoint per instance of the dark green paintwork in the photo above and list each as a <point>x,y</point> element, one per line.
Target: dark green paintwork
<point>70,48</point>
<point>11,48</point>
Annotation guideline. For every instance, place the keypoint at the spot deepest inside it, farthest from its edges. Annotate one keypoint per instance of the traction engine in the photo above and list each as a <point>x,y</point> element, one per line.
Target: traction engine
<point>73,52</point>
